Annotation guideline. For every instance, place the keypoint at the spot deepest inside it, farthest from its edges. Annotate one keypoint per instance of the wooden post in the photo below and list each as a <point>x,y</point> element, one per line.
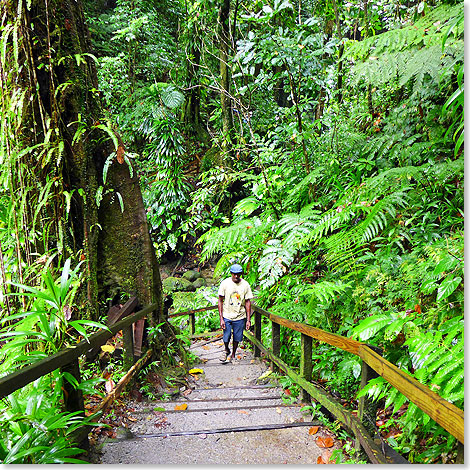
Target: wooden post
<point>192,323</point>
<point>128,347</point>
<point>276,344</point>
<point>306,363</point>
<point>73,398</point>
<point>257,332</point>
<point>367,409</point>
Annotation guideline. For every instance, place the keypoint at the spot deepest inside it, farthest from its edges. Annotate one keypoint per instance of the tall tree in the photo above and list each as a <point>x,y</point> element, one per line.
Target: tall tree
<point>85,196</point>
<point>225,74</point>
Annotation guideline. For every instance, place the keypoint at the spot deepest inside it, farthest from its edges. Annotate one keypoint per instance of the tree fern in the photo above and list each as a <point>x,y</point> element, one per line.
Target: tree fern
<point>229,238</point>
<point>428,29</point>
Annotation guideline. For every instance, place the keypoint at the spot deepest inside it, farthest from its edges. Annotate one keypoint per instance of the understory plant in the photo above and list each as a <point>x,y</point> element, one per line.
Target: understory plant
<point>35,429</point>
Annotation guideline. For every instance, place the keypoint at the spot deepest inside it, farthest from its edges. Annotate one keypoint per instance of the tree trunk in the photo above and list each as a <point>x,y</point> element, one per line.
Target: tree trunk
<point>339,85</point>
<point>192,111</point>
<point>64,117</point>
<point>225,76</point>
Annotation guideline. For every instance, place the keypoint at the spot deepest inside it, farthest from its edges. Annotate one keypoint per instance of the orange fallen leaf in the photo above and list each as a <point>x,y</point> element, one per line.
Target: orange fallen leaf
<point>320,460</point>
<point>181,407</point>
<point>324,442</point>
<point>243,412</point>
<point>313,430</point>
<point>206,347</point>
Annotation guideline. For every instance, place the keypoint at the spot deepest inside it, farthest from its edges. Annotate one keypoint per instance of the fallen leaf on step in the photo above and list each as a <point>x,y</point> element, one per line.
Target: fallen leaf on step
<point>313,430</point>
<point>181,407</point>
<point>278,410</point>
<point>196,371</point>
<point>206,347</point>
<point>252,361</point>
<point>131,419</point>
<point>243,412</point>
<point>107,348</point>
<point>187,392</point>
<point>324,442</point>
<point>266,374</point>
<point>238,356</point>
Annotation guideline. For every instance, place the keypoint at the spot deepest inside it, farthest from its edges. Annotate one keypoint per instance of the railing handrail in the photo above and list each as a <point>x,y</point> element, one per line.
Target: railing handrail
<point>446,414</point>
<point>31,372</point>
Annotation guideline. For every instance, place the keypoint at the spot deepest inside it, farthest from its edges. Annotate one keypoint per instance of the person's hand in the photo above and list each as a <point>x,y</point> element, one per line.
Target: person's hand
<point>248,324</point>
<point>222,324</point>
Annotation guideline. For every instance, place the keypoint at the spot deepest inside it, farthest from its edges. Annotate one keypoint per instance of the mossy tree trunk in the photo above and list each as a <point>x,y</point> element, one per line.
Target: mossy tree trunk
<point>61,135</point>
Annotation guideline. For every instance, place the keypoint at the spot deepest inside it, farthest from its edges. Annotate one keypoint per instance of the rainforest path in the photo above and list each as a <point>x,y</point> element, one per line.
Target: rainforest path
<point>230,414</point>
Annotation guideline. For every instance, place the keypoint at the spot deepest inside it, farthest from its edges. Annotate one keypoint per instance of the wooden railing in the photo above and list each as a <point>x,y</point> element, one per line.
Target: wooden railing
<point>444,413</point>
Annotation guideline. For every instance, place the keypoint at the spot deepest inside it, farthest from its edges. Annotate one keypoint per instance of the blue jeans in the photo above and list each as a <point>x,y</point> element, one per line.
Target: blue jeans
<point>237,326</point>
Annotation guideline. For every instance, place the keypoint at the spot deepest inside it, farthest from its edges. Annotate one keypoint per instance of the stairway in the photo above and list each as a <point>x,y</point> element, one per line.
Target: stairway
<point>229,417</point>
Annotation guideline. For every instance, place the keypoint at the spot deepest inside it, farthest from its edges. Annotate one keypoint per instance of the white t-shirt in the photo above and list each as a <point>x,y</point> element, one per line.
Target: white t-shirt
<point>234,298</point>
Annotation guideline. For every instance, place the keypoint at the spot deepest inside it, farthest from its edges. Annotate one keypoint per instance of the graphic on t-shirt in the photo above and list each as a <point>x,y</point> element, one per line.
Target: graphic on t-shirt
<point>235,299</point>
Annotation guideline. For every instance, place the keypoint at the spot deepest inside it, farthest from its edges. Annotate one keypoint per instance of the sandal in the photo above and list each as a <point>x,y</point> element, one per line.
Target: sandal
<point>225,358</point>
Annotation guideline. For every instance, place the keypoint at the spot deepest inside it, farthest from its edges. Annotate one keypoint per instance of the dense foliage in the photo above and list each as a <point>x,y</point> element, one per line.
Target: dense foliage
<point>319,144</point>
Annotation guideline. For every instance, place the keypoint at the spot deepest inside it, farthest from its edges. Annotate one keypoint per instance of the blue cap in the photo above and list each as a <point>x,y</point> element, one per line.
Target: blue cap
<point>236,268</point>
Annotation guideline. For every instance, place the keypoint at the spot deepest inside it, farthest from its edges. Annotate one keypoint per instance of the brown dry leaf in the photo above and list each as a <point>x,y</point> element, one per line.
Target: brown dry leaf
<point>120,154</point>
<point>324,442</point>
<point>320,460</point>
<point>313,430</point>
<point>243,412</point>
<point>187,392</point>
<point>181,407</point>
<point>130,418</point>
<point>206,347</point>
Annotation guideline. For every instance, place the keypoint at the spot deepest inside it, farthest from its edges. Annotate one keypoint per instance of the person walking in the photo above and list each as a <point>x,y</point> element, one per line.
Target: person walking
<point>234,310</point>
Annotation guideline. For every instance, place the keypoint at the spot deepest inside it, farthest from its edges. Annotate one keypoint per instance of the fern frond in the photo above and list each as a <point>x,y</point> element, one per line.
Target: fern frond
<point>229,238</point>
<point>371,326</point>
<point>274,262</point>
<point>324,292</point>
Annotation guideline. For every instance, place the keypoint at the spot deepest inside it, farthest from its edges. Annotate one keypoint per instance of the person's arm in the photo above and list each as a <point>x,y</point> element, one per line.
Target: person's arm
<point>221,310</point>
<point>248,313</point>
